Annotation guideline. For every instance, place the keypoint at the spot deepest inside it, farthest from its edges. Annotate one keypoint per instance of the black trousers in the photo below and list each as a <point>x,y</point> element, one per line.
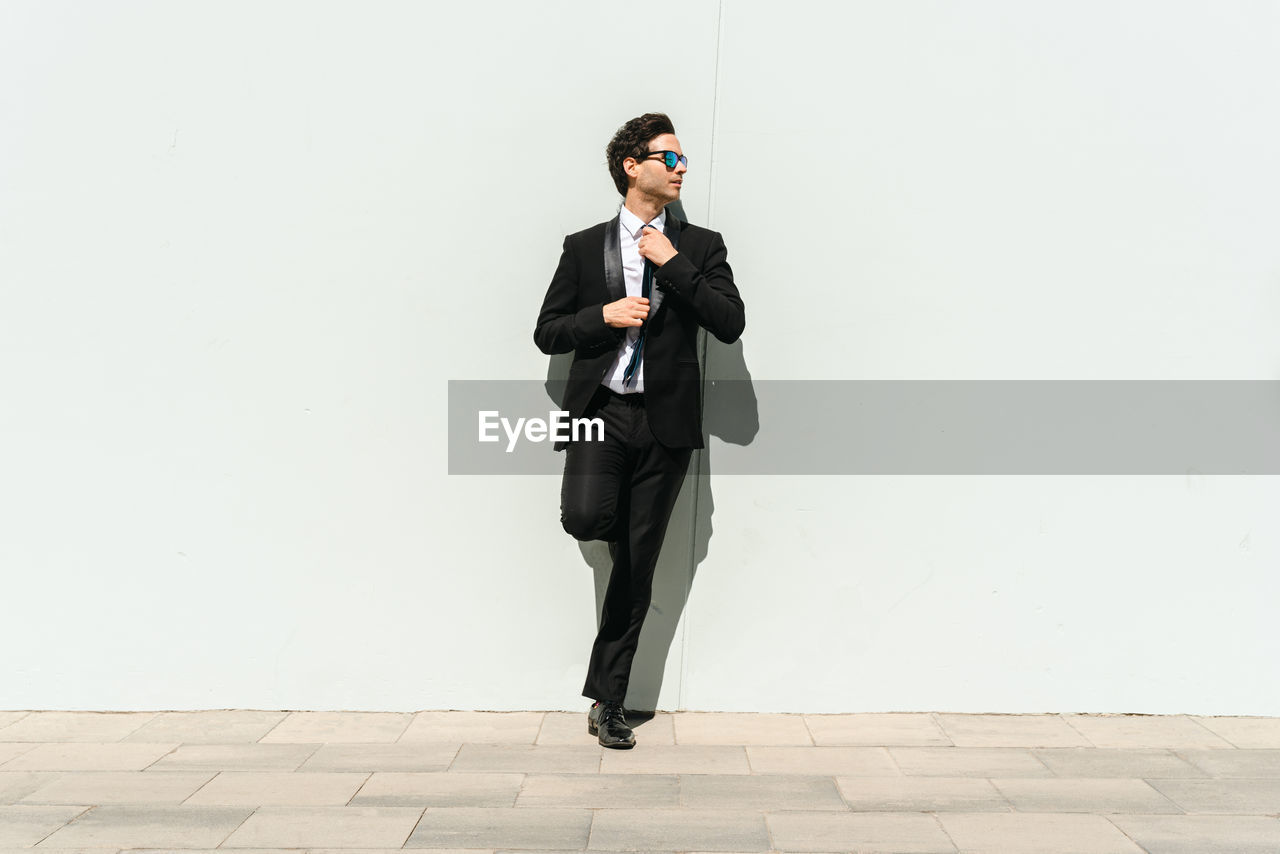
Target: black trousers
<point>622,490</point>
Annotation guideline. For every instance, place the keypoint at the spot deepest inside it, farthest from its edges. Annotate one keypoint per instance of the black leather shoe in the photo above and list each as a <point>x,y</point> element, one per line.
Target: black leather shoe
<point>607,721</point>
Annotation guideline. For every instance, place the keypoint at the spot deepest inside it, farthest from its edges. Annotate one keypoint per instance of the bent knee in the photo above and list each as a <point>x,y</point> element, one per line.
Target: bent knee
<point>587,525</point>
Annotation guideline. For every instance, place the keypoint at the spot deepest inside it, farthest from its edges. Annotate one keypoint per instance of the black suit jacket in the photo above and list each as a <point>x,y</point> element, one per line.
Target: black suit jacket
<point>698,290</point>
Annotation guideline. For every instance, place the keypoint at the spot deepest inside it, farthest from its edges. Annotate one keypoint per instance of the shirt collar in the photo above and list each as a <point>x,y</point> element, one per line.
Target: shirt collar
<point>633,223</point>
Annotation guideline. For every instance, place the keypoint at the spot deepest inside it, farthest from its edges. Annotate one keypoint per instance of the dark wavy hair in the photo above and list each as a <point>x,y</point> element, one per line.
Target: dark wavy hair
<point>632,140</point>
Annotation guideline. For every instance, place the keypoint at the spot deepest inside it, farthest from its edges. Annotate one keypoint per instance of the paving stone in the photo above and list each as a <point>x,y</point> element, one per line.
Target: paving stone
<point>729,728</point>
<point>207,851</point>
<point>45,850</point>
<point>1114,762</point>
<point>1011,731</point>
<point>599,791</point>
<point>541,851</point>
<point>571,728</point>
<point>484,727</point>
<point>766,792</point>
<point>438,789</point>
<point>1029,833</point>
<point>866,833</point>
<point>278,788</point>
<point>1168,731</point>
<point>529,758</point>
<point>96,727</point>
<point>1241,797</point>
<point>678,829</point>
<point>849,761</point>
<point>676,759</point>
<point>7,718</point>
<point>893,728</point>
<point>9,751</point>
<point>76,756</point>
<point>216,727</point>
<point>235,757</point>
<point>331,827</point>
<point>1229,763</point>
<point>1084,794</point>
<point>149,827</point>
<point>387,851</point>
<point>477,827</point>
<point>1241,732</point>
<point>1202,834</point>
<point>344,727</point>
<point>424,756</point>
<point>564,728</point>
<point>544,851</point>
<point>921,794</point>
<point>22,825</point>
<point>968,762</point>
<point>96,788</point>
<point>16,785</point>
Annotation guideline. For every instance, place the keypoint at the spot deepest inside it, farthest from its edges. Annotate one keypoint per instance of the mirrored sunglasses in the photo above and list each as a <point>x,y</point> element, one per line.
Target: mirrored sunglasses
<point>670,158</point>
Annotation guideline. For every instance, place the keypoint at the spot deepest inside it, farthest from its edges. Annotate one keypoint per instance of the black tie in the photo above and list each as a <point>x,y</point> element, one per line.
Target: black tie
<point>633,367</point>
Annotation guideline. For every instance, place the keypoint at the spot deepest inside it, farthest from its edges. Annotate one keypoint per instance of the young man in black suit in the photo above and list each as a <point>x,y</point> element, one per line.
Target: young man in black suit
<point>628,298</point>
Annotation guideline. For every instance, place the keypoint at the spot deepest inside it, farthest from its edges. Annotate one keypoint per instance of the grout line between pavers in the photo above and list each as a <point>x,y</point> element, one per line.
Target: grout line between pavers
<point>30,747</point>
<point>287,714</point>
<point>198,788</point>
<point>168,752</point>
<point>933,716</point>
<point>75,817</point>
<point>1008,803</point>
<point>1136,844</point>
<point>413,716</point>
<point>1052,774</point>
<point>999,791</point>
<point>359,788</point>
<point>937,819</point>
<point>813,741</point>
<point>251,814</point>
<point>1083,734</point>
<point>840,794</point>
<point>154,716</point>
<point>307,758</point>
<point>414,829</point>
<point>26,713</point>
<point>894,760</point>
<point>1195,721</point>
<point>449,766</point>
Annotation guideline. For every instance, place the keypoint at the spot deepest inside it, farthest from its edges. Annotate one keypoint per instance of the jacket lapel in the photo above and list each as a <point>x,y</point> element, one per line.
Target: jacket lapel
<point>613,280</point>
<point>671,228</point>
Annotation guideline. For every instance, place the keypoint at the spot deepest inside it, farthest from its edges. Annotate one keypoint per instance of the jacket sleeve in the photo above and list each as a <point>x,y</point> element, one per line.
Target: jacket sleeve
<point>709,291</point>
<point>563,325</point>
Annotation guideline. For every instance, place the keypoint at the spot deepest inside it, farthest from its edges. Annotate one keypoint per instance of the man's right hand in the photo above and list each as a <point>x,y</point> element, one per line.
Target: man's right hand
<point>628,311</point>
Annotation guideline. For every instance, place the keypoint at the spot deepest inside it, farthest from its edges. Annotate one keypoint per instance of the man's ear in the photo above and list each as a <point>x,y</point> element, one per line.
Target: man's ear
<point>631,166</point>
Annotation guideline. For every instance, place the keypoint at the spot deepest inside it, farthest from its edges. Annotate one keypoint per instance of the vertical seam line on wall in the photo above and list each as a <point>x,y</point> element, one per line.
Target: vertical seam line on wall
<point>702,335</point>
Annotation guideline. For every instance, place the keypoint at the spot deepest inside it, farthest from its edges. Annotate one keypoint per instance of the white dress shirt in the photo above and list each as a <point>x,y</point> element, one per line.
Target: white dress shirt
<point>630,228</point>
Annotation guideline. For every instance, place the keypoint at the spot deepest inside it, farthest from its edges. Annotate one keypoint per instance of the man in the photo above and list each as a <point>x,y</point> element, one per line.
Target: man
<point>628,298</point>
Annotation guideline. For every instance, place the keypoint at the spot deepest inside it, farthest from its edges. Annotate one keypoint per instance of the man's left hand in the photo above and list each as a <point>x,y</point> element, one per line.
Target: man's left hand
<point>655,246</point>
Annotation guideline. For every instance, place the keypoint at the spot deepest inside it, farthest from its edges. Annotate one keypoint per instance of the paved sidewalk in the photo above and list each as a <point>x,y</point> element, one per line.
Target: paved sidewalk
<point>516,781</point>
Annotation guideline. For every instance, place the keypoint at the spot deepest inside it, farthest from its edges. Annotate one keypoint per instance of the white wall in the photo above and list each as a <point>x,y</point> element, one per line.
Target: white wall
<point>244,246</point>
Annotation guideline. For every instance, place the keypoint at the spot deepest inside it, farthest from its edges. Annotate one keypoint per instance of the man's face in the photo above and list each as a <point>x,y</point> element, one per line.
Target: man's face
<point>653,178</point>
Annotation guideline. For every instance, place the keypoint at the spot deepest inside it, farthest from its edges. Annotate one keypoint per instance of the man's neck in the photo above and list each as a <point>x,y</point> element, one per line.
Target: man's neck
<point>647,209</point>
